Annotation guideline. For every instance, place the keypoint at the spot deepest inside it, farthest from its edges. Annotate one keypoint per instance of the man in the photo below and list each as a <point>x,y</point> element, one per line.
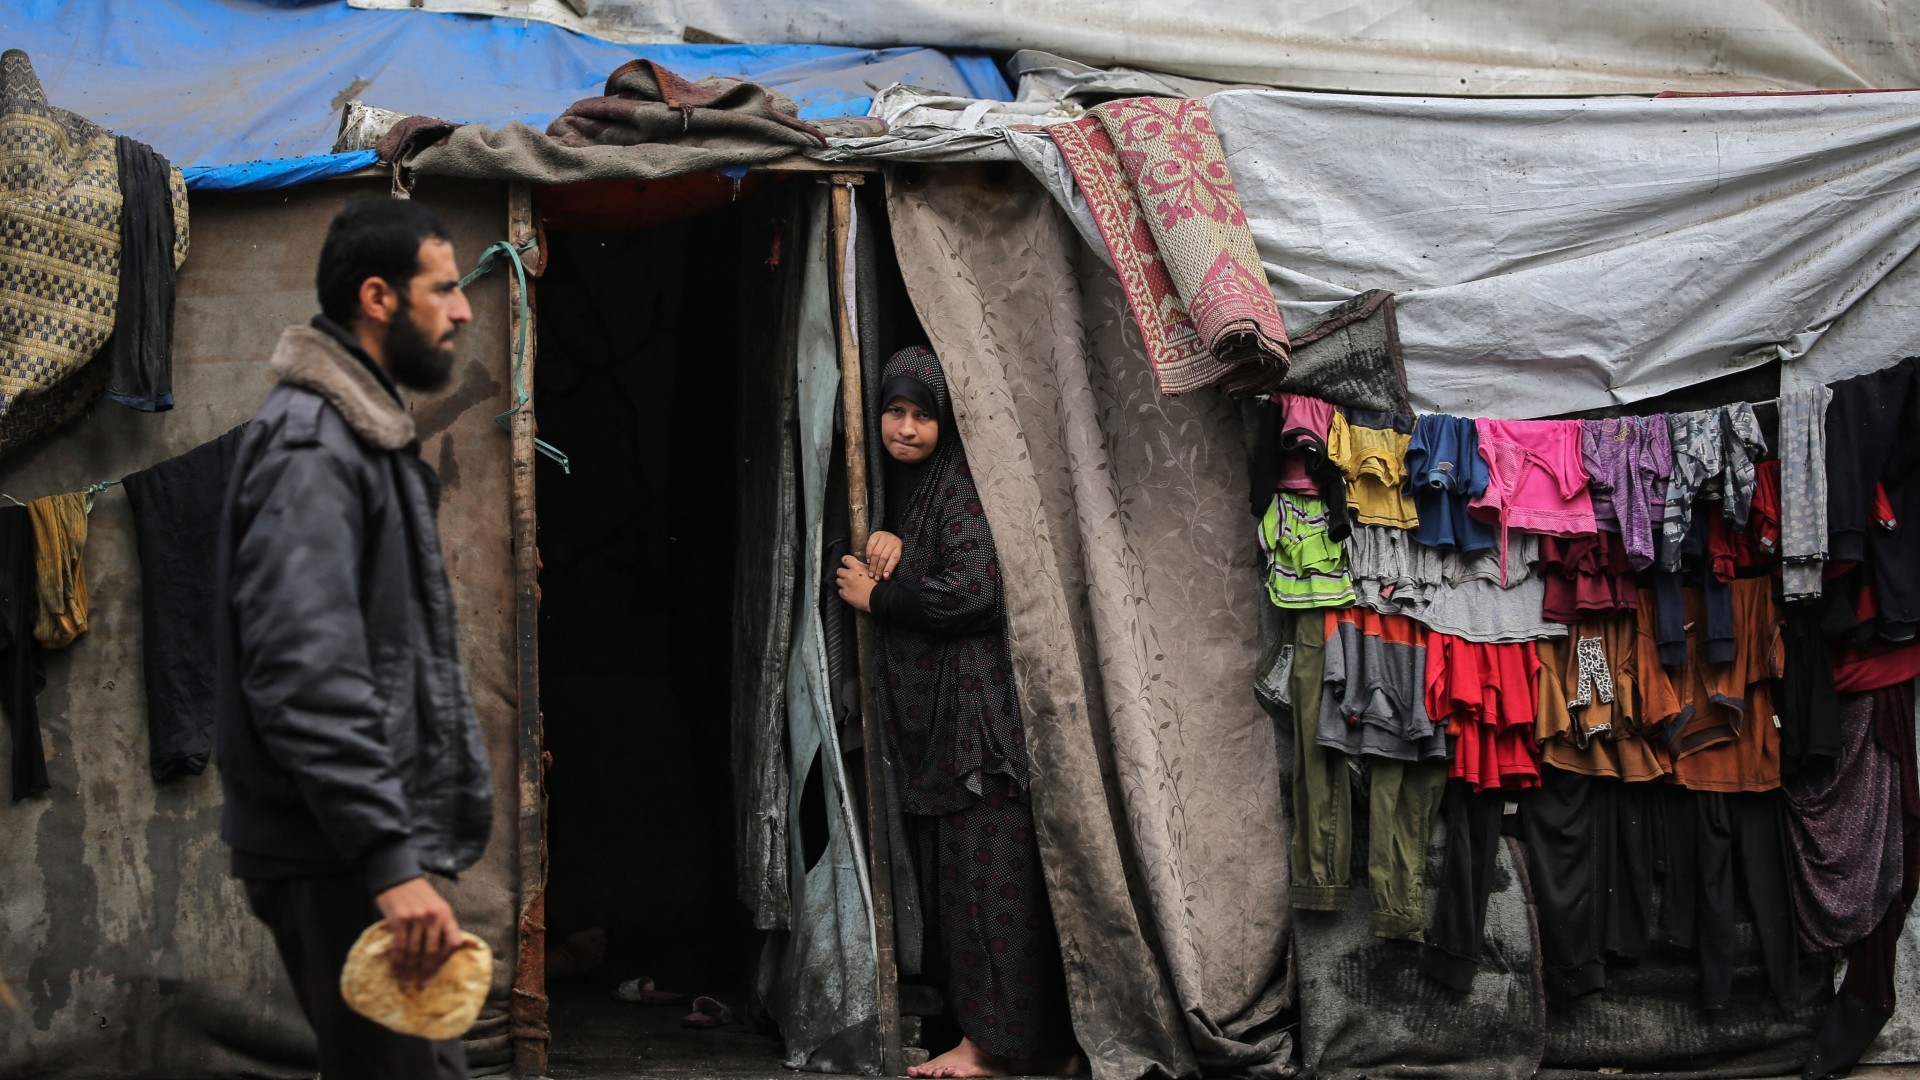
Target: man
<point>348,749</point>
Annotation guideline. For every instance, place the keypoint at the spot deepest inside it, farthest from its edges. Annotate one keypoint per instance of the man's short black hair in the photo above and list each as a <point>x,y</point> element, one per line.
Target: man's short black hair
<point>372,238</point>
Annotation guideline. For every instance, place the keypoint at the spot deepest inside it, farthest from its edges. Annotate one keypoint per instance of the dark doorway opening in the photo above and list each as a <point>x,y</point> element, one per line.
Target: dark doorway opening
<point>637,385</point>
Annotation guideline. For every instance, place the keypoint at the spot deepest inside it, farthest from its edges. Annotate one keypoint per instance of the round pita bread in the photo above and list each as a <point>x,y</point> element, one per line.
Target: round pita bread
<point>442,1009</point>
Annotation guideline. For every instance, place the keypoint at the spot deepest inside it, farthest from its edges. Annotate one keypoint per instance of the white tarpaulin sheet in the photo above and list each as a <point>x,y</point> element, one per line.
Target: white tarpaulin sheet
<point>1558,255</point>
<point>1382,46</point>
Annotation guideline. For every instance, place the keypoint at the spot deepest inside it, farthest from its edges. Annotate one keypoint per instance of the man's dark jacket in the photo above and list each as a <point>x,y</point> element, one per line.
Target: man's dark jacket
<point>344,734</point>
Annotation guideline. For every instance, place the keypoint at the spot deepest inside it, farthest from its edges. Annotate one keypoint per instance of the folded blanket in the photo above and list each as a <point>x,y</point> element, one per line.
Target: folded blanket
<point>649,125</point>
<point>1156,179</point>
<point>60,255</point>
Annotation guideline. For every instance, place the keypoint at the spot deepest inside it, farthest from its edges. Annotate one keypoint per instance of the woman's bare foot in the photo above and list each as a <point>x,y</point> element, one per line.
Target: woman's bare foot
<point>962,1061</point>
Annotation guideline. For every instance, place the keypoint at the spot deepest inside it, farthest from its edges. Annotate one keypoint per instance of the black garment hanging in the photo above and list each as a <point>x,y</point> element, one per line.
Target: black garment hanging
<point>176,520</point>
<point>140,373</point>
<point>21,673</point>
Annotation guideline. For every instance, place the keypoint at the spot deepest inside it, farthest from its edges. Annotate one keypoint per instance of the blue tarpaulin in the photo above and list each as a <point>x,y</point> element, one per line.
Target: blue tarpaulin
<point>248,93</point>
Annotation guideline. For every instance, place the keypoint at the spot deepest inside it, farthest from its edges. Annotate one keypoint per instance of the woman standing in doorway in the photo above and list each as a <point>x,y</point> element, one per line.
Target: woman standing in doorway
<point>931,579</point>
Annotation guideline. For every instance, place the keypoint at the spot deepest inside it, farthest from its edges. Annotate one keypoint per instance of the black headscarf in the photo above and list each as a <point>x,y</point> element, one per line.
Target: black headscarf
<point>946,685</point>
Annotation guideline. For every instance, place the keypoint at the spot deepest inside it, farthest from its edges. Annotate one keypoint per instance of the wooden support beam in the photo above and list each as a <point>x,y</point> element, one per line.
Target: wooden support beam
<point>528,1005</point>
<point>853,414</point>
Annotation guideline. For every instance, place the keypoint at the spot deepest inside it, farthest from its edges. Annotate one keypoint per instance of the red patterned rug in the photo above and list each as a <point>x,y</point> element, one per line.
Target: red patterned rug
<point>1156,179</point>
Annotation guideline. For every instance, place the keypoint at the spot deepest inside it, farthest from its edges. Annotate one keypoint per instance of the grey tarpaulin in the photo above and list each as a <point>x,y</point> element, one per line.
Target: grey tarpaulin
<point>817,978</point>
<point>1435,47</point>
<point>763,601</point>
<point>1120,520</point>
<point>1556,255</point>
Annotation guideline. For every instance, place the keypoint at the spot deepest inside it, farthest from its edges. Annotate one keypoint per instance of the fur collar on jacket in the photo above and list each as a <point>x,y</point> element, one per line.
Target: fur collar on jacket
<point>312,359</point>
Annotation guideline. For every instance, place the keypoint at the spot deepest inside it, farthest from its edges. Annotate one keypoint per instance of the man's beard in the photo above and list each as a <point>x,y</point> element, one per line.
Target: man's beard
<point>413,359</point>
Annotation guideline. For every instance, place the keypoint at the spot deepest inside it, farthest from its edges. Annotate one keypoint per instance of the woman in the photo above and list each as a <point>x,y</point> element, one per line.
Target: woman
<point>932,581</point>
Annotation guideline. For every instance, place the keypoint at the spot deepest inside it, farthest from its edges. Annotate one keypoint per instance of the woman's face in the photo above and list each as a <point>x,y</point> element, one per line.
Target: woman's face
<point>909,431</point>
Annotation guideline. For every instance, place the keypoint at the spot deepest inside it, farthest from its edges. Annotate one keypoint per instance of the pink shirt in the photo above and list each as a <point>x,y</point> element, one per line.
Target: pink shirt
<point>1300,413</point>
<point>1536,480</point>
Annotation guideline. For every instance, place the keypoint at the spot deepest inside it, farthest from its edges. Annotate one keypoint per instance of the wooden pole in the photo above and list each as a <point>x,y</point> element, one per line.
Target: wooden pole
<point>853,414</point>
<point>528,1006</point>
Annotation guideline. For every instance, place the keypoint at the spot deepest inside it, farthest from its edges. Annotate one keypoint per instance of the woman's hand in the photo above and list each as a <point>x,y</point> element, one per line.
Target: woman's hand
<point>883,554</point>
<point>856,583</point>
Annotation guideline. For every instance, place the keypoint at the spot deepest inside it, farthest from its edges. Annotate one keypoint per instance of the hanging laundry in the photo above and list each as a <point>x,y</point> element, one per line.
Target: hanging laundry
<point>1590,850</point>
<point>1713,455</point>
<point>1589,709</point>
<point>1845,831</point>
<point>1486,695</point>
<point>1719,844</point>
<point>1675,629</point>
<point>1865,1001</point>
<point>1322,846</point>
<point>59,544</point>
<point>1466,883</point>
<point>1371,452</point>
<point>1870,426</point>
<point>1803,490</point>
<point>176,518</point>
<point>140,353</point>
<point>21,674</point>
<point>1480,600</point>
<point>1741,443</point>
<point>1392,572</point>
<point>1290,454</point>
<point>1373,699</point>
<point>1401,800</point>
<point>1808,700</point>
<point>1585,576</point>
<point>1715,719</point>
<point>1445,473</point>
<point>1535,479</point>
<point>1306,566</point>
<point>1455,593</point>
<point>1629,460</point>
<point>1754,550</point>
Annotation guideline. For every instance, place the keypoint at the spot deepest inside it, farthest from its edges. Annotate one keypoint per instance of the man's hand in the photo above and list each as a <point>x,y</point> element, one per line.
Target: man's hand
<point>855,582</point>
<point>424,930</point>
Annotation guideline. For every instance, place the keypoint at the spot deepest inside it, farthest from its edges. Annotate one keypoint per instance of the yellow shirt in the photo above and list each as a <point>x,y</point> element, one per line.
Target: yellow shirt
<point>1375,463</point>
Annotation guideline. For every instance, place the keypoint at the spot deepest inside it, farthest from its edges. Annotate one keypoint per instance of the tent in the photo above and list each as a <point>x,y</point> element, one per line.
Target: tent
<point>1135,624</point>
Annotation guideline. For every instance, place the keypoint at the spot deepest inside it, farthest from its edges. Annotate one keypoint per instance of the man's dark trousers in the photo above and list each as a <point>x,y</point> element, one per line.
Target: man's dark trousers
<point>315,920</point>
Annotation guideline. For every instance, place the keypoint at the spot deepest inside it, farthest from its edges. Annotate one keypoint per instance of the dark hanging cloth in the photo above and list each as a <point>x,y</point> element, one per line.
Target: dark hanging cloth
<point>141,350</point>
<point>1719,844</point>
<point>1866,998</point>
<point>946,694</point>
<point>1808,704</point>
<point>1845,831</point>
<point>176,519</point>
<point>1466,883</point>
<point>21,674</point>
<point>1590,859</point>
<point>1868,424</point>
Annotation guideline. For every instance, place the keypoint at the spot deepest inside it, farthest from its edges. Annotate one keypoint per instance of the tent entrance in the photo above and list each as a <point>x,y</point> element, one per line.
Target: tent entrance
<point>637,384</point>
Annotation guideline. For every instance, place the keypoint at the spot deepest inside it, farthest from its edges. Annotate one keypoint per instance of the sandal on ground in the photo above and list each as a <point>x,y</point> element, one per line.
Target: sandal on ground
<point>707,1013</point>
<point>642,991</point>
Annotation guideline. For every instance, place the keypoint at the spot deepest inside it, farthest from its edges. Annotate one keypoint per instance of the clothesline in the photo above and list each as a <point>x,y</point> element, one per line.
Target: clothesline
<point>89,491</point>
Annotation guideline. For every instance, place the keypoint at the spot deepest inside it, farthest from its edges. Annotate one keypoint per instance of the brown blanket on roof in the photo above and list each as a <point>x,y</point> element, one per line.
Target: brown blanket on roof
<point>650,124</point>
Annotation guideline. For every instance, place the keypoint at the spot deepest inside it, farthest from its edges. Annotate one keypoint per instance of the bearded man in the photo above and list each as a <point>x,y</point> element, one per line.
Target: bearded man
<point>348,750</point>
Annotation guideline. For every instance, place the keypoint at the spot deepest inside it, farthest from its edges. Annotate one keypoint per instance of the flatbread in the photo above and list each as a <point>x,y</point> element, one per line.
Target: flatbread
<point>442,1009</point>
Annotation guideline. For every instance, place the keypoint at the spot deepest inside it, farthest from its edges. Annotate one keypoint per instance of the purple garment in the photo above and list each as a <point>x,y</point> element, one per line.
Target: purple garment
<point>1628,460</point>
<point>1845,833</point>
